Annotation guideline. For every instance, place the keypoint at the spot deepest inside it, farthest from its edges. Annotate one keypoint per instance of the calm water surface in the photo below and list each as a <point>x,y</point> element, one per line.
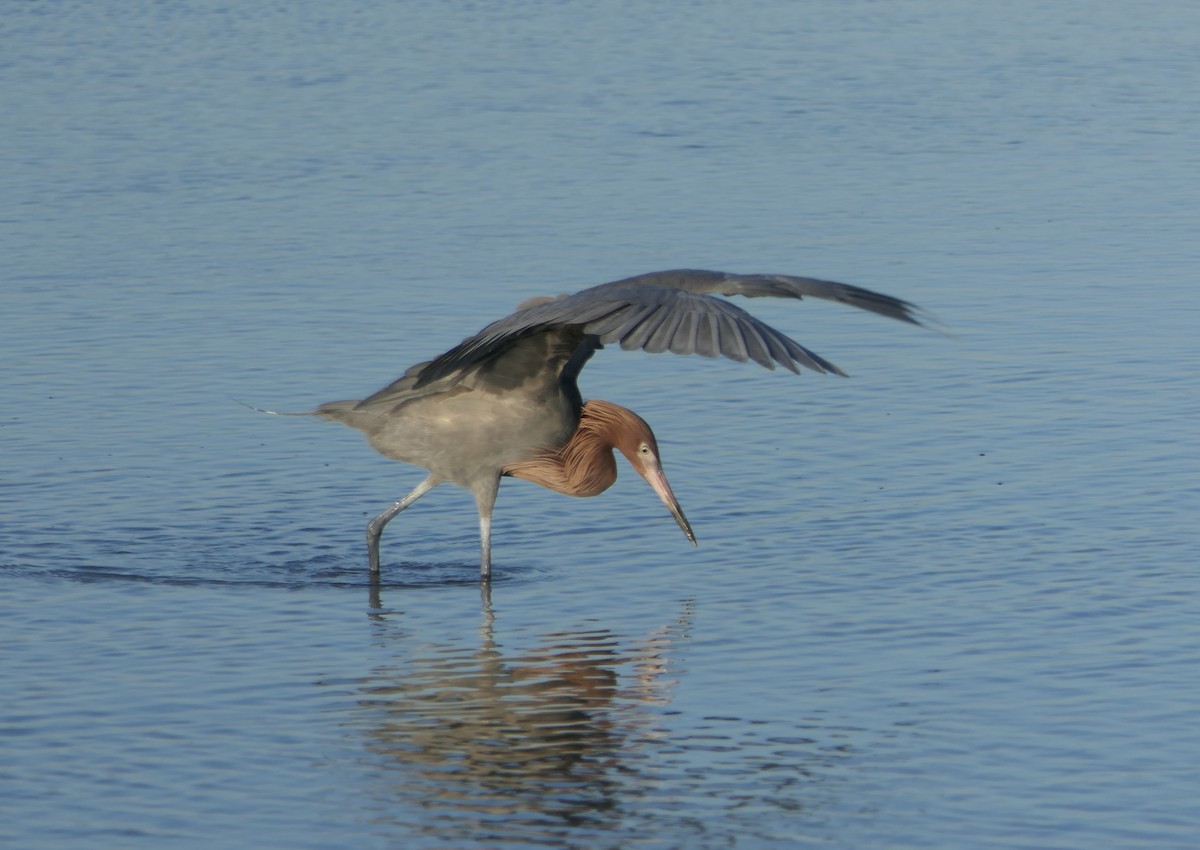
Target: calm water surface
<point>949,602</point>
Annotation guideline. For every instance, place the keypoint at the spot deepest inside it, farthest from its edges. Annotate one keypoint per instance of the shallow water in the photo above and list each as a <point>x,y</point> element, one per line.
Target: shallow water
<point>951,601</point>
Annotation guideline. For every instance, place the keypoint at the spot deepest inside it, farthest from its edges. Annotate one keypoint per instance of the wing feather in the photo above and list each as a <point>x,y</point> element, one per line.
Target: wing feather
<point>708,335</point>
<point>683,341</point>
<point>668,325</point>
<point>613,327</point>
<point>733,343</point>
<point>756,347</point>
<point>639,333</point>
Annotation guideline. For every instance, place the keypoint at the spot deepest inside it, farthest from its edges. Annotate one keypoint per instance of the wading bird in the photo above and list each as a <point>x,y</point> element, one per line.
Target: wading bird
<point>505,401</point>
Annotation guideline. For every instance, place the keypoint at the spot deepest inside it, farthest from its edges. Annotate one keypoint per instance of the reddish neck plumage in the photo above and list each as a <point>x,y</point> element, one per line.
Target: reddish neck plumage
<point>585,466</point>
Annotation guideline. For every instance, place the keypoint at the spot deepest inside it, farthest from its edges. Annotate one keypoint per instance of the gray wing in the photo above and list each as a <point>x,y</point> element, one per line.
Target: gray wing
<point>667,311</point>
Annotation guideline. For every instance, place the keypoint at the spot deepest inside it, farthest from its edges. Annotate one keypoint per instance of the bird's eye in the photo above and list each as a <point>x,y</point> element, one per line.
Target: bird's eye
<point>644,449</point>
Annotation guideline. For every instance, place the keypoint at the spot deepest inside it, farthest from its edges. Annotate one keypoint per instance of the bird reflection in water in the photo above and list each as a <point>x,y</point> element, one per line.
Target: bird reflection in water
<point>520,743</point>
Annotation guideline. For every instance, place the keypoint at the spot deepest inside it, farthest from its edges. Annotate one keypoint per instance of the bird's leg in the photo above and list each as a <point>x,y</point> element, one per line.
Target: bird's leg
<point>485,542</point>
<point>375,526</point>
<point>485,499</point>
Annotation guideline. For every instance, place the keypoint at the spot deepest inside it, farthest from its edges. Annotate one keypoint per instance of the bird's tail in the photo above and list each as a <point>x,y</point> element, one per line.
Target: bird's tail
<point>339,411</point>
<point>277,412</point>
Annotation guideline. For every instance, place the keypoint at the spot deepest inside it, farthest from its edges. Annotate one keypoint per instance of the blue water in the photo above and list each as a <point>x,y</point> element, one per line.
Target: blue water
<point>949,602</point>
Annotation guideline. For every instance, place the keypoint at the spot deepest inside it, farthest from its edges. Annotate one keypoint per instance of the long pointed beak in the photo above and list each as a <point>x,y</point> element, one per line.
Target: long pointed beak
<point>657,479</point>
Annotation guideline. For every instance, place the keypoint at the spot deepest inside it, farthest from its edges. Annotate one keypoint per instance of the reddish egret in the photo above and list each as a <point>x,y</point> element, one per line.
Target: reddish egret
<point>505,401</point>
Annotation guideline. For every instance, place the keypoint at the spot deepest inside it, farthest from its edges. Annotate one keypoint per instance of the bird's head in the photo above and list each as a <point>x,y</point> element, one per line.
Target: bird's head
<point>634,439</point>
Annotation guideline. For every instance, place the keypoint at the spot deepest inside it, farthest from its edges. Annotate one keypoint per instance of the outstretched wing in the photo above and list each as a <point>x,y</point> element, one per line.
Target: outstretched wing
<point>666,311</point>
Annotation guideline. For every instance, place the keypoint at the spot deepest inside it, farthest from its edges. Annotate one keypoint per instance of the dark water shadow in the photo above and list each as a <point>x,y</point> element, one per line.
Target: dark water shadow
<point>223,570</point>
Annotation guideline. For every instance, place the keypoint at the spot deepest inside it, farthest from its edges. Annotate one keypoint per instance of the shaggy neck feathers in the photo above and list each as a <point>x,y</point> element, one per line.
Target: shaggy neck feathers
<point>585,466</point>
